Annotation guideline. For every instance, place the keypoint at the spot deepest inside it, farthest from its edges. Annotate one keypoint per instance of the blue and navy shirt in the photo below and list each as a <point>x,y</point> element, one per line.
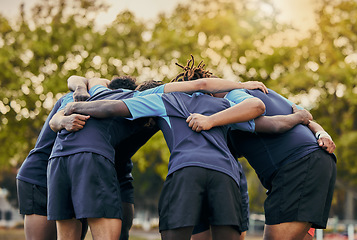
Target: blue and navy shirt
<point>33,170</point>
<point>207,149</point>
<point>100,136</point>
<point>268,152</point>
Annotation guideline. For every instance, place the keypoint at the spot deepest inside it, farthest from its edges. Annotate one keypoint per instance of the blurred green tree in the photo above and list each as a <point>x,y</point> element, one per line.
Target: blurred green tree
<point>235,38</point>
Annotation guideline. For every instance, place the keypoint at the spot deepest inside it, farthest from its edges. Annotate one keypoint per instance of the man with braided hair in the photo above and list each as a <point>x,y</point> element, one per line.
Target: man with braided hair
<point>283,161</point>
<point>92,146</point>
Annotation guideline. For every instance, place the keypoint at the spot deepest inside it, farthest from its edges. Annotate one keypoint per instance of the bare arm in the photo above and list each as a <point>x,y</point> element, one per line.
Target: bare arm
<point>99,109</point>
<point>242,112</point>
<point>71,123</point>
<point>282,123</point>
<point>98,81</point>
<point>212,85</point>
<point>323,138</point>
<point>78,85</point>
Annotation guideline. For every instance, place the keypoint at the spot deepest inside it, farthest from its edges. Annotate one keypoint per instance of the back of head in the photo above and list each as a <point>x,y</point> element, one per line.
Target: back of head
<point>148,84</point>
<point>126,82</point>
<point>190,72</point>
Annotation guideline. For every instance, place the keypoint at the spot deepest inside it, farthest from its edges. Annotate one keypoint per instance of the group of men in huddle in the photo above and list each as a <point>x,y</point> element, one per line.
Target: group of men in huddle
<point>79,172</point>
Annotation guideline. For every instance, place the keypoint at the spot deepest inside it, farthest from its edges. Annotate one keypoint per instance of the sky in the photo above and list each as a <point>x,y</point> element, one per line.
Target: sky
<point>298,13</point>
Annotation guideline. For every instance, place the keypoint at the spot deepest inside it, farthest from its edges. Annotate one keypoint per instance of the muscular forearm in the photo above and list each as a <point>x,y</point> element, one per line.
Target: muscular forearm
<point>277,124</point>
<point>99,109</point>
<point>77,82</point>
<point>210,85</point>
<point>79,87</point>
<point>216,85</point>
<point>56,122</point>
<point>72,123</point>
<point>315,127</point>
<point>242,112</point>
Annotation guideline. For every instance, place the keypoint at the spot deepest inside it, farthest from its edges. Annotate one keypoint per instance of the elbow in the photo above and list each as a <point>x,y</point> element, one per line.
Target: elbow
<point>71,78</point>
<point>53,125</point>
<point>259,106</point>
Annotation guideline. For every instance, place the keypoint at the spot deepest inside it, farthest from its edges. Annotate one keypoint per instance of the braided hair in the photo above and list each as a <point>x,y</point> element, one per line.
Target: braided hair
<point>191,72</point>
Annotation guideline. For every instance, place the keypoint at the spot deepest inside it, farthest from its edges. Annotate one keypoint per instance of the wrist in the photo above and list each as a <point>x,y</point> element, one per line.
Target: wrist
<point>211,121</point>
<point>240,84</point>
<point>320,134</point>
<point>81,88</point>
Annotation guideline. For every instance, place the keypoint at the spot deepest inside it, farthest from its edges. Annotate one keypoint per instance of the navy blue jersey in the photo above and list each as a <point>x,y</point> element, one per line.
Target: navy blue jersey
<point>267,152</point>
<point>100,136</point>
<point>33,169</point>
<point>207,149</point>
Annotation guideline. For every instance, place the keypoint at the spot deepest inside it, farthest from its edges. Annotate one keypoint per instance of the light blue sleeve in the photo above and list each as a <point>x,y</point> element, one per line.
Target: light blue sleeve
<point>244,126</point>
<point>150,105</point>
<point>97,89</point>
<point>66,99</point>
<point>159,89</point>
<point>240,96</point>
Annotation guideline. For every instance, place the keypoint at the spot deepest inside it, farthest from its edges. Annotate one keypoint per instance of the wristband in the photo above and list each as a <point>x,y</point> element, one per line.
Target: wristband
<point>320,134</point>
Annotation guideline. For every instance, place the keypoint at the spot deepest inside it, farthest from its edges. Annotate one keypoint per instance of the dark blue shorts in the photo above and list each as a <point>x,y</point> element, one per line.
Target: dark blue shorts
<point>193,194</point>
<point>32,198</point>
<point>302,191</point>
<point>82,185</point>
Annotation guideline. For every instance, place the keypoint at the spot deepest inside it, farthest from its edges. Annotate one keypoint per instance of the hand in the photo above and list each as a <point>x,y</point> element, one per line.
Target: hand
<point>80,94</point>
<point>305,115</point>
<point>199,122</point>
<point>75,122</point>
<point>255,85</point>
<point>69,108</point>
<point>327,144</point>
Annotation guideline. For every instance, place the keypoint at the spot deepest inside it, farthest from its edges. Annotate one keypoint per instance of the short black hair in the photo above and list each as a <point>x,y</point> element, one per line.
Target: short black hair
<point>148,84</point>
<point>126,82</point>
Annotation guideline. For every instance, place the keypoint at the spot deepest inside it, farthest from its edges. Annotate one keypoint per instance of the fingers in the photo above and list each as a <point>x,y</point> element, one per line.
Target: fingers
<point>327,144</point>
<point>295,109</point>
<point>256,85</point>
<point>194,122</point>
<point>263,88</point>
<point>80,119</point>
<point>189,118</point>
<point>76,122</point>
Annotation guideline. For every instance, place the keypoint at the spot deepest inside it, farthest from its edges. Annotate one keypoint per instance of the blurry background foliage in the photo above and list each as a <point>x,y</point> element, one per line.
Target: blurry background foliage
<point>237,39</point>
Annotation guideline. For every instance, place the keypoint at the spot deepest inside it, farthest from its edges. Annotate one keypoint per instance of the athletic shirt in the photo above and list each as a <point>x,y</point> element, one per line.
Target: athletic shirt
<point>207,149</point>
<point>100,136</point>
<point>33,169</point>
<point>268,152</point>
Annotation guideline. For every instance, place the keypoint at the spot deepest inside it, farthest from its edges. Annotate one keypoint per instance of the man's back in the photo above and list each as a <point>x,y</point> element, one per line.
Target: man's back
<point>207,149</point>
<point>99,135</point>
<point>267,152</point>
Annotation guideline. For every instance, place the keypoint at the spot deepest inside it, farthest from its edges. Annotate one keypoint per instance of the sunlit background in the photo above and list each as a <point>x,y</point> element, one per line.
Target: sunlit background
<point>306,50</point>
<point>298,13</point>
